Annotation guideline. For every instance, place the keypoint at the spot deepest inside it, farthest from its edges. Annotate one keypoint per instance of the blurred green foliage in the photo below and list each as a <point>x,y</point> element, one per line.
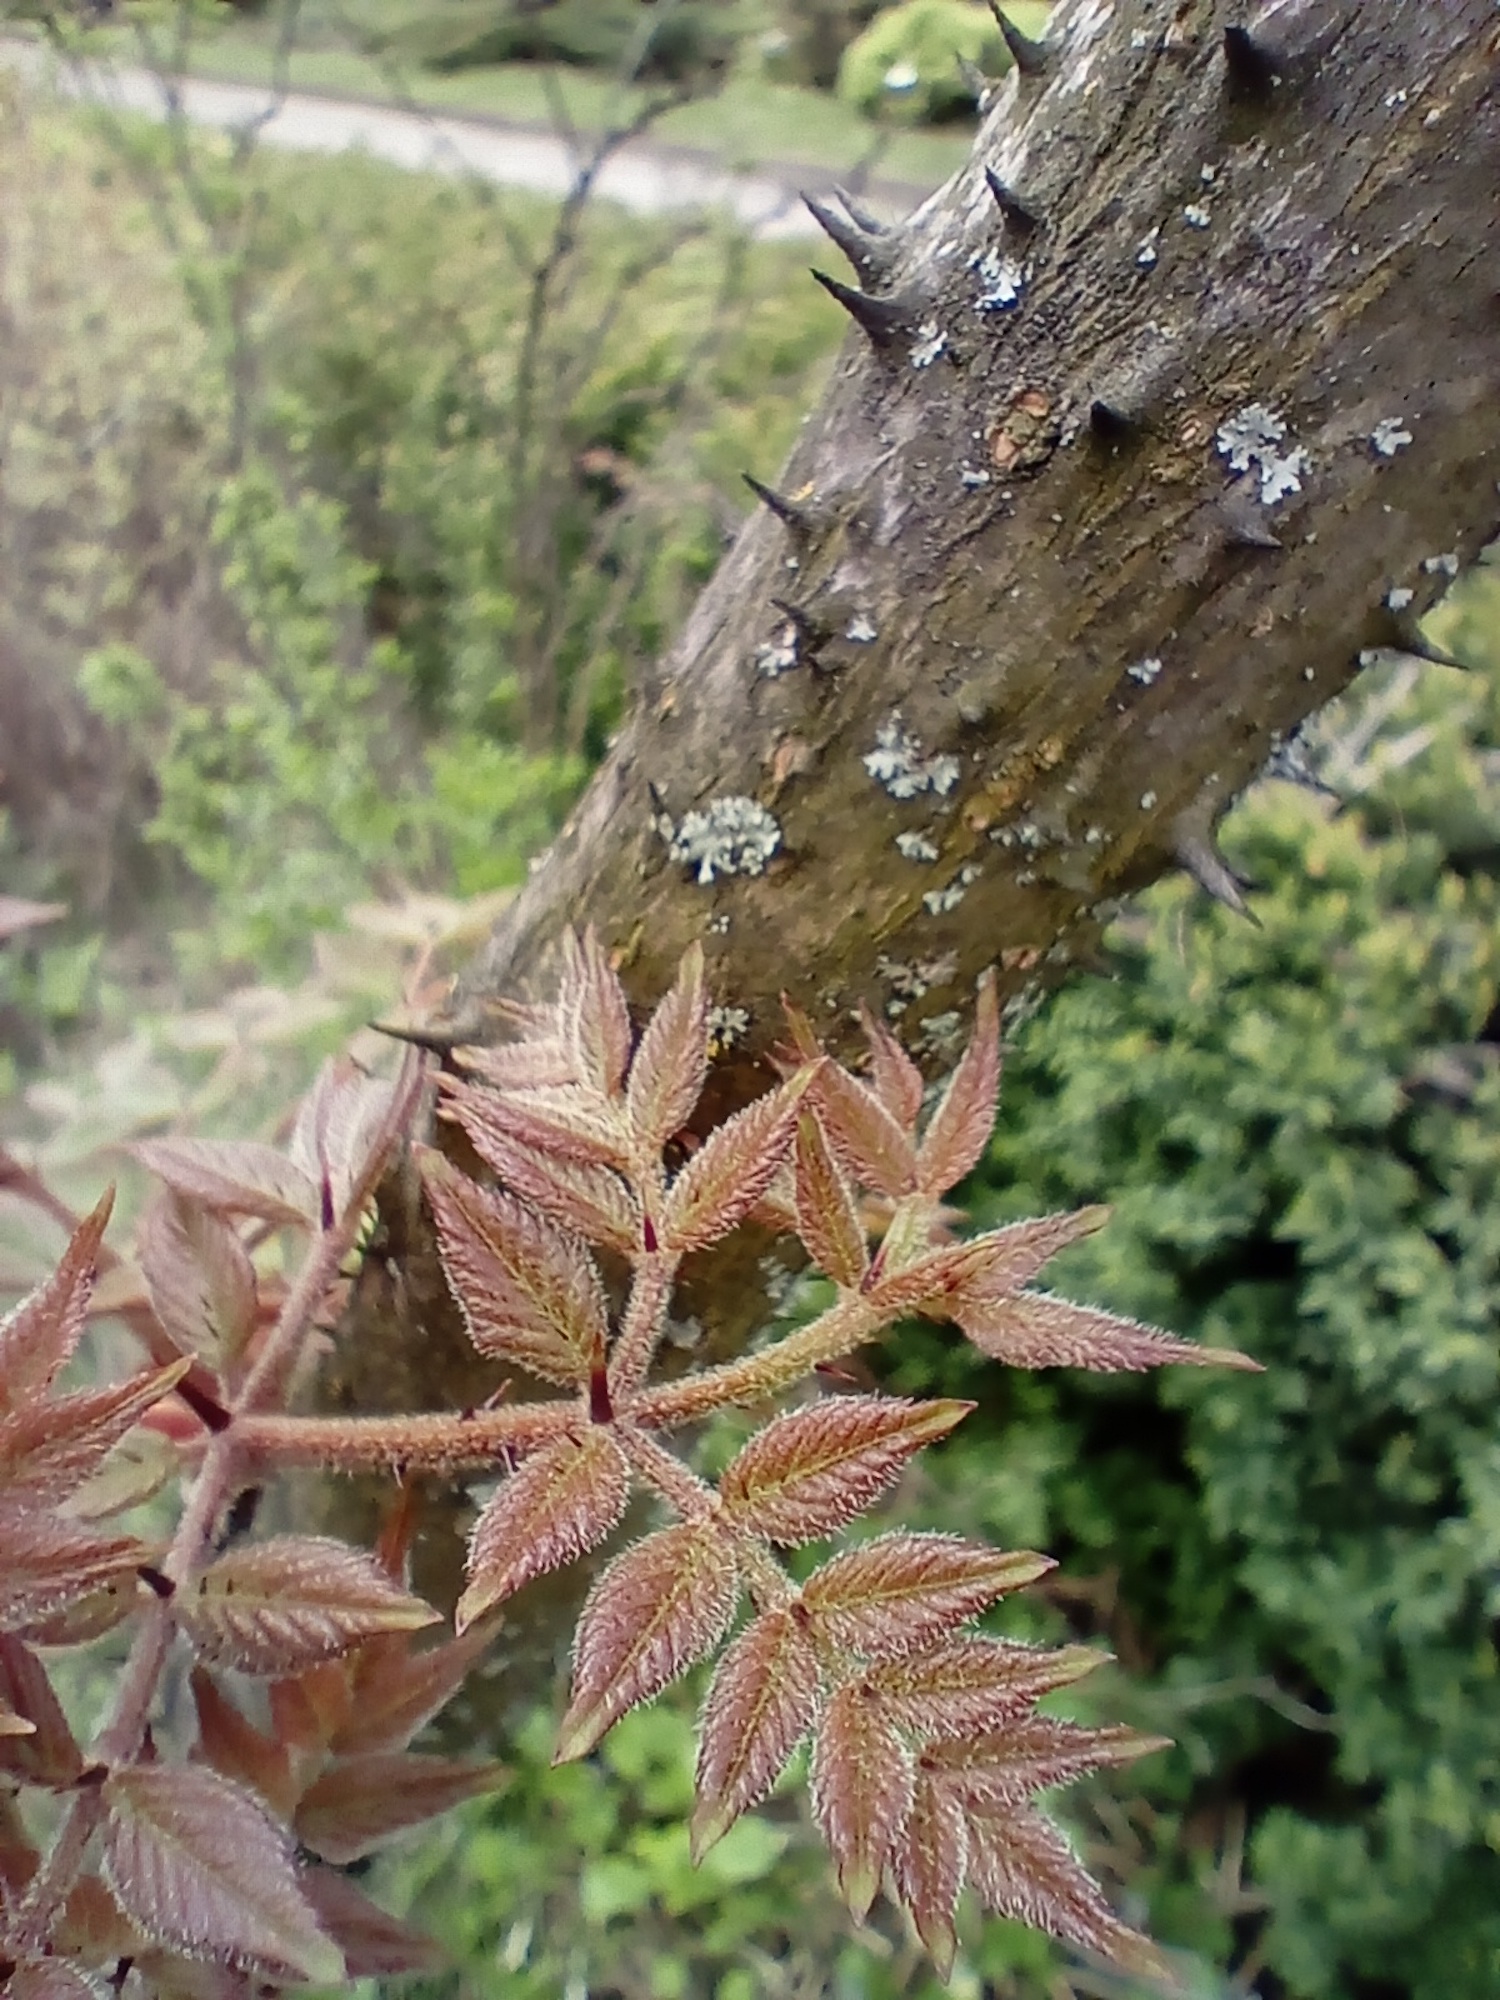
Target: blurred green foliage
<point>905,64</point>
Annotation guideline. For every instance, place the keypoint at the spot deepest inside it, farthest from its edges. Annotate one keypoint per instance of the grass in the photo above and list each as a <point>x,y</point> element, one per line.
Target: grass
<point>748,122</point>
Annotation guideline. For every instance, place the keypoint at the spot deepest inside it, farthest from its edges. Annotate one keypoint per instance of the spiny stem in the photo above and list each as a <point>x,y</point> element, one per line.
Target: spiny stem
<point>752,1378</point>
<point>682,1489</point>
<point>447,1441</point>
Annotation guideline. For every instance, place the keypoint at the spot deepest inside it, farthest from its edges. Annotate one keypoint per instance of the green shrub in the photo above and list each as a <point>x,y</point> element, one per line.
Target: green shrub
<point>622,36</point>
<point>905,64</point>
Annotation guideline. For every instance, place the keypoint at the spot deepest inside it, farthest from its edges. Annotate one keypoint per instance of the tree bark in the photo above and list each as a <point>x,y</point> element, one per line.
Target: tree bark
<point>1179,399</point>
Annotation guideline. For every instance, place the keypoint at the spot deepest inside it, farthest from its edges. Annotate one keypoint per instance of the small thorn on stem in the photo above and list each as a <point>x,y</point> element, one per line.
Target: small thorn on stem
<point>795,517</point>
<point>207,1409</point>
<point>1410,638</point>
<point>1030,58</point>
<point>866,218</point>
<point>1010,204</point>
<point>979,86</point>
<point>884,322</point>
<point>159,1584</point>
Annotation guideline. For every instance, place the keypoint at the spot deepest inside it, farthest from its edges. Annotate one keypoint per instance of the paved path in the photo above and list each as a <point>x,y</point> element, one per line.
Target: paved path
<point>649,178</point>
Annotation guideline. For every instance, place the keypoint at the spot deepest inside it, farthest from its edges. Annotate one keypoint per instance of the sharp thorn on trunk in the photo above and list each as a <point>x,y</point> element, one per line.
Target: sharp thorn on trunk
<point>979,86</point>
<point>1253,67</point>
<point>1193,849</point>
<point>869,254</point>
<point>1010,204</point>
<point>1030,58</point>
<point>1410,638</point>
<point>883,321</point>
<point>796,518</point>
<point>857,212</point>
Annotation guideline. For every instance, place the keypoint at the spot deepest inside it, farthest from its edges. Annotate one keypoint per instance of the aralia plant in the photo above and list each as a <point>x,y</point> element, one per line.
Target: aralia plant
<point>206,1856</point>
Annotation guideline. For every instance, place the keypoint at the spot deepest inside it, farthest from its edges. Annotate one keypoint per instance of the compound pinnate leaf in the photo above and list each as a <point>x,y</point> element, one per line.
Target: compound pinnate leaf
<point>48,1449</point>
<point>872,1146</point>
<point>529,1292</point>
<point>827,1218</point>
<point>899,1592</point>
<point>862,1779</point>
<point>760,1704</point>
<point>38,1748</point>
<point>964,1686</point>
<point>812,1470</point>
<point>556,1506</point>
<point>929,1862</point>
<point>232,1177</point>
<point>375,1945</point>
<point>38,1336</point>
<point>1021,1866</point>
<point>656,1609</point>
<point>359,1803</point>
<point>199,1277</point>
<point>1031,1754</point>
<point>199,1865</point>
<point>733,1168</point>
<point>666,1077</point>
<point>281,1606</point>
<point>50,1563</point>
<point>896,1080</point>
<point>595,1018</point>
<point>1036,1330</point>
<point>591,1200</point>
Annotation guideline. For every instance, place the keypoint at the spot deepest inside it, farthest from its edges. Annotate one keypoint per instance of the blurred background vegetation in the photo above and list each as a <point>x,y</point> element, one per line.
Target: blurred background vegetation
<point>341,512</point>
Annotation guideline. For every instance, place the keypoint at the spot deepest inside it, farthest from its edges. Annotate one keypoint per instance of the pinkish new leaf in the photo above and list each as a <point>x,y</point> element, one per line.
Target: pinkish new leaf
<point>232,1177</point>
<point>1030,1754</point>
<point>556,1506</point>
<point>899,1592</point>
<point>281,1606</point>
<point>200,1278</point>
<point>359,1803</point>
<point>595,1017</point>
<point>590,1200</point>
<point>199,1865</point>
<point>812,1470</point>
<point>866,1138</point>
<point>960,1127</point>
<point>38,1336</point>
<point>666,1077</point>
<point>529,1292</point>
<point>48,1449</point>
<point>862,1779</point>
<point>1036,1330</point>
<point>895,1078</point>
<point>760,1704</point>
<point>827,1216</point>
<point>964,1686</point>
<point>657,1608</point>
<point>928,1863</point>
<point>733,1168</point>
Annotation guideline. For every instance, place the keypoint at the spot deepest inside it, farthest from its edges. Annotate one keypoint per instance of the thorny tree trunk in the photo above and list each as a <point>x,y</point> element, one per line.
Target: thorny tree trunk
<point>1017,539</point>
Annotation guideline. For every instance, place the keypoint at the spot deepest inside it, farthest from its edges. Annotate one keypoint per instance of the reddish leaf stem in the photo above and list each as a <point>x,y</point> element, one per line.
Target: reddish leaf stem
<point>641,1325</point>
<point>754,1377</point>
<point>445,1441</point>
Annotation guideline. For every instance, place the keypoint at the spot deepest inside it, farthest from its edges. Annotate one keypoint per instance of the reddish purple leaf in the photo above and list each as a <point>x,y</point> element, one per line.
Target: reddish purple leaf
<point>38,1336</point>
<point>231,1744</point>
<point>1030,1754</point>
<point>868,1141</point>
<point>959,1129</point>
<point>596,1021</point>
<point>760,1704</point>
<point>928,1863</point>
<point>50,1563</point>
<point>397,1691</point>
<point>339,1125</point>
<point>200,1278</point>
<point>895,1078</point>
<point>50,1978</point>
<point>362,1802</point>
<point>199,1865</point>
<point>964,1686</point>
<point>812,1470</point>
<point>588,1199</point>
<point>232,1177</point>
<point>666,1077</point>
<point>656,1609</point>
<point>1022,1867</point>
<point>530,1294</point>
<point>827,1217</point>
<point>281,1606</point>
<point>889,1596</point>
<point>48,1449</point>
<point>375,1945</point>
<point>967,1276</point>
<point>38,1748</point>
<point>1036,1330</point>
<point>862,1779</point>
<point>533,1065</point>
<point>733,1167</point>
<point>559,1503</point>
